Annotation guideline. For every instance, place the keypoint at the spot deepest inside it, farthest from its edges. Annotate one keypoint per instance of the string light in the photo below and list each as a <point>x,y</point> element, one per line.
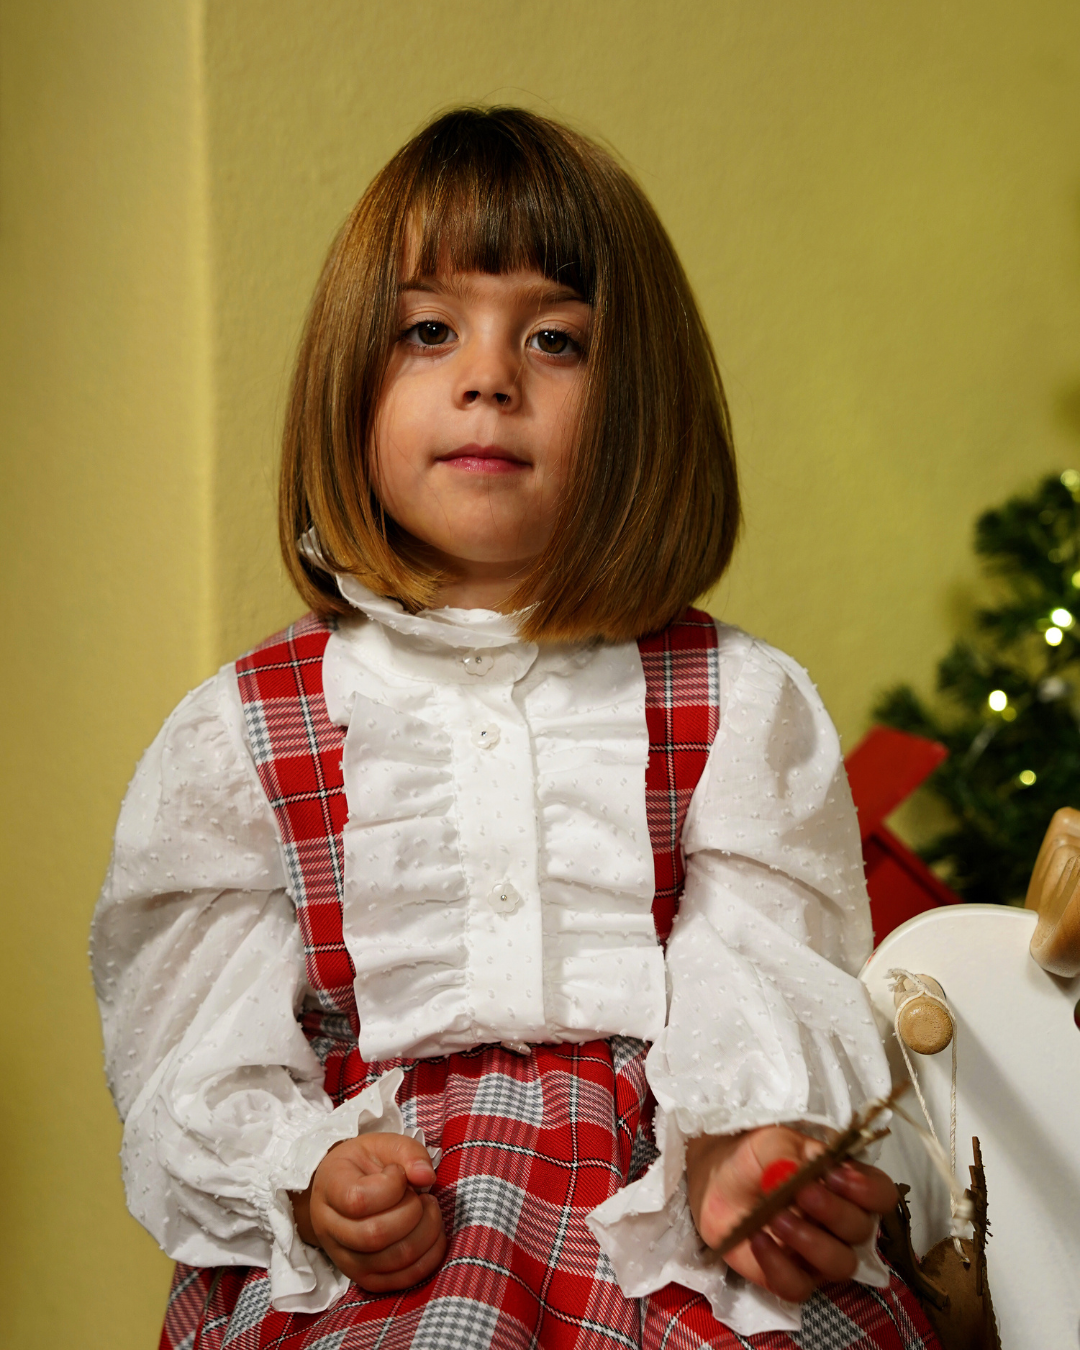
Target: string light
<point>998,700</point>
<point>1070,479</point>
<point>1026,777</point>
<point>1062,618</point>
<point>1053,636</point>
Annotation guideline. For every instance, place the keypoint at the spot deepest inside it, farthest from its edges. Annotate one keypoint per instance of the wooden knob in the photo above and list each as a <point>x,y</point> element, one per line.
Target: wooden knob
<point>924,1025</point>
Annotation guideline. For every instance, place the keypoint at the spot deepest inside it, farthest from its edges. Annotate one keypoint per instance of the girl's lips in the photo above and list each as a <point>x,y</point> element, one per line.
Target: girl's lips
<point>483,459</point>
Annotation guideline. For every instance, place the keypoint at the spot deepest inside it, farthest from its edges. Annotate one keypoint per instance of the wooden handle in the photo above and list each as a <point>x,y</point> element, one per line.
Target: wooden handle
<point>1054,893</point>
<point>924,1025</point>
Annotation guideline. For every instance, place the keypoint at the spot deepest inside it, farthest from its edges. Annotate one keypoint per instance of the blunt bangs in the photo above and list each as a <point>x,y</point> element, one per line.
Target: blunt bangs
<point>650,513</point>
<point>487,197</point>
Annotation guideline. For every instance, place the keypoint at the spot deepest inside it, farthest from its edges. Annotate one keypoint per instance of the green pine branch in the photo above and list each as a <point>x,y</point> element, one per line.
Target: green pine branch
<point>1008,706</point>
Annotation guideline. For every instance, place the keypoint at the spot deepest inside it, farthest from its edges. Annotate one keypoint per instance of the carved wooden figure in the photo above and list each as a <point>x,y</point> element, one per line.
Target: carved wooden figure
<point>1054,894</point>
<point>950,1280</point>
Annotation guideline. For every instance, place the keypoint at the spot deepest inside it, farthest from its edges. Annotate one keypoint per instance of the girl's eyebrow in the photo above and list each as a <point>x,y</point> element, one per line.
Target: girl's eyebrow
<point>538,292</point>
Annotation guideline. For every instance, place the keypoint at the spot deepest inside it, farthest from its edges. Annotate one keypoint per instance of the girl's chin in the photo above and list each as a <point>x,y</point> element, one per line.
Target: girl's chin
<point>494,561</point>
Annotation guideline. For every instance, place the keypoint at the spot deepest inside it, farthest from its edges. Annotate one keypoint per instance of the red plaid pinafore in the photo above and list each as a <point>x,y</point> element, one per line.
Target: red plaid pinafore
<point>530,1143</point>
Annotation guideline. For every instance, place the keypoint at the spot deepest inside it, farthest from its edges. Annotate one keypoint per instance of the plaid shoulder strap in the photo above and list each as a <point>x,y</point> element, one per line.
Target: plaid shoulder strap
<point>682,712</point>
<point>297,752</point>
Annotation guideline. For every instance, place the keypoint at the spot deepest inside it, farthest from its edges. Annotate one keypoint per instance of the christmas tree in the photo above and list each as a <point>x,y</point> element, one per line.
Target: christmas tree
<point>1010,699</point>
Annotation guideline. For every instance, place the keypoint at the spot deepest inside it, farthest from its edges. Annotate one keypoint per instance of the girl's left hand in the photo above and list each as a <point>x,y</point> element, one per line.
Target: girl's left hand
<point>804,1244</point>
<point>365,1208</point>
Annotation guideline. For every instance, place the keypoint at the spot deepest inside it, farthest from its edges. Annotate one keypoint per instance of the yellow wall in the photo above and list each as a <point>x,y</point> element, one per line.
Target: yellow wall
<point>105,514</point>
<point>876,204</point>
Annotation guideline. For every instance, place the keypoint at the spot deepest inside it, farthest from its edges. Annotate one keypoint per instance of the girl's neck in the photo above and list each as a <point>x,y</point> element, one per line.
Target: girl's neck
<point>477,592</point>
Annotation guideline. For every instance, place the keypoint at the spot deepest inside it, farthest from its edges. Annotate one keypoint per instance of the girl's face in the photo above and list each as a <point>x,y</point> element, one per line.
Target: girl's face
<point>478,420</point>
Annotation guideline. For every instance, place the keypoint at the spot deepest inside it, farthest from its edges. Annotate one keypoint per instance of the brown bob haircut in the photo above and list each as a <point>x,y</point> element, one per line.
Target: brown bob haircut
<point>650,514</point>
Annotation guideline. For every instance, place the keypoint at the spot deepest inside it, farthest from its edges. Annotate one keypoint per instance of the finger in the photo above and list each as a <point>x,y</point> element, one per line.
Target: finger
<point>355,1268</point>
<point>783,1272</point>
<point>347,1191</point>
<point>408,1154</point>
<point>823,1253</point>
<point>413,1245</point>
<point>401,1263</point>
<point>426,1265</point>
<point>867,1187</point>
<point>377,1231</point>
<point>780,1274</point>
<point>843,1218</point>
<point>420,1172</point>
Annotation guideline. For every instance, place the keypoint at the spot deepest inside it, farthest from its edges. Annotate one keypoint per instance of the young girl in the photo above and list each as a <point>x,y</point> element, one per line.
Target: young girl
<point>471,948</point>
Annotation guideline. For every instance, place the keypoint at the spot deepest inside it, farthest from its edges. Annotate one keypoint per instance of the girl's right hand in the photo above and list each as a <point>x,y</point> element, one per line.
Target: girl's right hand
<point>364,1210</point>
<point>811,1241</point>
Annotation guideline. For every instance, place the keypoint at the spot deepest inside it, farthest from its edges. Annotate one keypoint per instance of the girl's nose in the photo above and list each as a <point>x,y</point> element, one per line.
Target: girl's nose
<point>490,373</point>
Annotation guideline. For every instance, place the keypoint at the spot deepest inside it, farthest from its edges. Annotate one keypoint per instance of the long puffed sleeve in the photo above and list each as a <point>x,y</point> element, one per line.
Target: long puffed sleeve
<point>199,970</point>
<point>767,1023</point>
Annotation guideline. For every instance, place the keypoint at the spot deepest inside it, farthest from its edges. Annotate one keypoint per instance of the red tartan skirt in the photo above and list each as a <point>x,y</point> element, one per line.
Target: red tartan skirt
<point>531,1144</point>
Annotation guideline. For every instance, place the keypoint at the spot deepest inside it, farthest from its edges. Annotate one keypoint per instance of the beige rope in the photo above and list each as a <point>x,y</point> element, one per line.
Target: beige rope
<point>960,1208</point>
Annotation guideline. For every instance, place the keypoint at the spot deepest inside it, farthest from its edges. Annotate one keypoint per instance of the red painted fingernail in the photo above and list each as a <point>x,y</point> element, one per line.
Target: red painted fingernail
<point>776,1173</point>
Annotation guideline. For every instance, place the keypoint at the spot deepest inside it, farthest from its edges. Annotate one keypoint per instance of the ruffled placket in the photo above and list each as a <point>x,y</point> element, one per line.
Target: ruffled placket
<point>498,870</point>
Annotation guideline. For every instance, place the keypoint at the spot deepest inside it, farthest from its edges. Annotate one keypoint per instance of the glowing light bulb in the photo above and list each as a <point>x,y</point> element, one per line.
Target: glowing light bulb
<point>1075,579</point>
<point>1027,777</point>
<point>1070,479</point>
<point>1062,618</point>
<point>1053,636</point>
<point>998,700</point>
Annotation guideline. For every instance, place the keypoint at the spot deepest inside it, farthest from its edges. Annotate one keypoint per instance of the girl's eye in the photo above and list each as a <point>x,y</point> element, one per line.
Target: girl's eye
<point>554,342</point>
<point>430,333</point>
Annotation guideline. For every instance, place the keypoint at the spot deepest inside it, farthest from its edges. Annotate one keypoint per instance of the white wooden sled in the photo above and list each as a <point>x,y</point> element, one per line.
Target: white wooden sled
<point>1018,1090</point>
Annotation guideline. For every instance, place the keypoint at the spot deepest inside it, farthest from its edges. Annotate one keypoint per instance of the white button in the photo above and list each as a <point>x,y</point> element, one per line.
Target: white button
<point>486,737</point>
<point>504,898</point>
<point>477,663</point>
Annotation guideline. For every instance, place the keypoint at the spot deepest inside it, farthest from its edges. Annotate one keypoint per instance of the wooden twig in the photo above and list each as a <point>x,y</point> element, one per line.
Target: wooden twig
<point>853,1140</point>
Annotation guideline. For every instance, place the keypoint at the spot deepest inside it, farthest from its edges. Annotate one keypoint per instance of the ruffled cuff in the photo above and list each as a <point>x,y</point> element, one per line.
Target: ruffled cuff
<point>302,1278</point>
<point>648,1234</point>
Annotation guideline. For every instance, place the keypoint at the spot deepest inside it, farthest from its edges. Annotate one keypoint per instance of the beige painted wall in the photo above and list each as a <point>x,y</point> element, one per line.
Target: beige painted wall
<point>105,437</point>
<point>877,206</point>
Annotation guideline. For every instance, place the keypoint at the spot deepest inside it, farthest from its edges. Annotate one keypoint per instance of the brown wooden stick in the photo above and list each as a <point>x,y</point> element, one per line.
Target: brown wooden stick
<point>852,1140</point>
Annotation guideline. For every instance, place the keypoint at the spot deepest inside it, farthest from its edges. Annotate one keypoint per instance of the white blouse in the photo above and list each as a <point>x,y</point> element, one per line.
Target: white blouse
<point>498,887</point>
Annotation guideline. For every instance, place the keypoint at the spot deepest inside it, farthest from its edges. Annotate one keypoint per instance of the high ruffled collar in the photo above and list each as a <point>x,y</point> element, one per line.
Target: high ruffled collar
<point>458,628</point>
<point>468,628</point>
